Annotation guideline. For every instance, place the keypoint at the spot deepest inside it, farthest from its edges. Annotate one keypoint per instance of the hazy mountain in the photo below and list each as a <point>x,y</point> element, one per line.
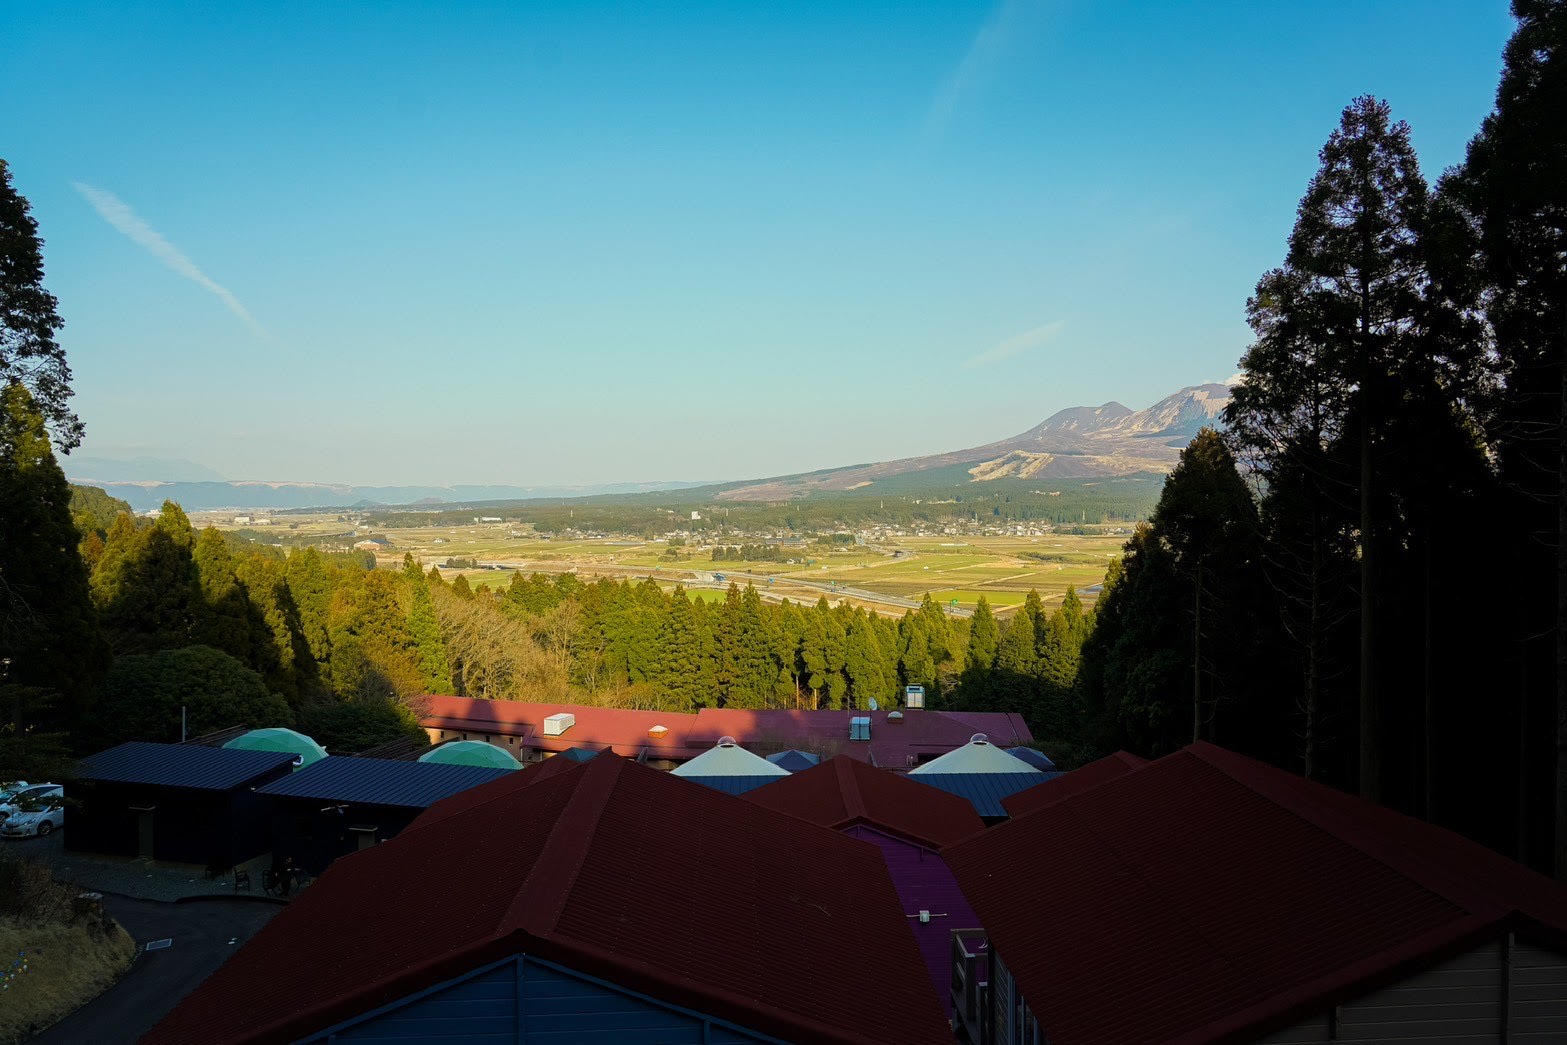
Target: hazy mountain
<point>202,496</point>
<point>1075,443</point>
<point>138,469</point>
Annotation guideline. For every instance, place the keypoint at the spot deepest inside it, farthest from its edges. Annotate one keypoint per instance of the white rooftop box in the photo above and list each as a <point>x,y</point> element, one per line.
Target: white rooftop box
<point>558,723</point>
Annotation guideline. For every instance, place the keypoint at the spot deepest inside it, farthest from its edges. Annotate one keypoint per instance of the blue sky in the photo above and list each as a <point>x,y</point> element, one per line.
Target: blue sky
<point>532,243</point>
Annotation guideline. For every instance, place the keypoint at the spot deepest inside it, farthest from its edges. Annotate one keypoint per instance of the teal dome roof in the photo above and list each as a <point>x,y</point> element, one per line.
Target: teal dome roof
<point>471,753</point>
<point>305,750</point>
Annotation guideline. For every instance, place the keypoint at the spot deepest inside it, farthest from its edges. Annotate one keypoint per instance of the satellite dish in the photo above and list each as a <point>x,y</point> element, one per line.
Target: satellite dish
<point>873,704</point>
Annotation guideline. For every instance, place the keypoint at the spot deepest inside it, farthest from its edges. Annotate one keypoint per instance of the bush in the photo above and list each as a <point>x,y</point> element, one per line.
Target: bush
<point>144,693</point>
<point>343,728</point>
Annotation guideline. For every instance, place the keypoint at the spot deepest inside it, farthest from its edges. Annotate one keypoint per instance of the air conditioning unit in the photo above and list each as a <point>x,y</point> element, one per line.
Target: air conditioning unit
<point>555,725</point>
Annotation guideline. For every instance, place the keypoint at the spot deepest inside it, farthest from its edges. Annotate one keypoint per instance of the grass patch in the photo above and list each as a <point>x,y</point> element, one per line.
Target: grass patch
<point>72,952</point>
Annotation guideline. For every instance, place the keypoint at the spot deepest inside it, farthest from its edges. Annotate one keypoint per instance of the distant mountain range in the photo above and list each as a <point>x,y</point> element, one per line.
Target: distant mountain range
<point>143,495</point>
<point>1080,442</point>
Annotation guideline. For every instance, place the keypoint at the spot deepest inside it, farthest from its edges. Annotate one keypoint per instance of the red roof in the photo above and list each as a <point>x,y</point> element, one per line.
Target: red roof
<point>616,870</point>
<point>842,792</point>
<point>1071,783</point>
<point>894,743</point>
<point>1207,896</point>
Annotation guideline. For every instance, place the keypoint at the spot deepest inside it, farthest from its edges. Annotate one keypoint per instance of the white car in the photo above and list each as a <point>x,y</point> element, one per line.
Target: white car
<point>23,793</point>
<point>9,788</point>
<point>35,814</point>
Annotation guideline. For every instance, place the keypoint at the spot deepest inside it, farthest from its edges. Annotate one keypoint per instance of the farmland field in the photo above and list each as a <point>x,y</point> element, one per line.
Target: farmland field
<point>884,577</point>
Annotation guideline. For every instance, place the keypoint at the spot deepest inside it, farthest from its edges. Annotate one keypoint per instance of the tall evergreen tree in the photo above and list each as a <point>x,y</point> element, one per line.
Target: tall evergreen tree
<point>1014,680</point>
<point>1512,188</point>
<point>49,639</point>
<point>224,615</point>
<point>29,319</point>
<point>1208,521</point>
<point>424,630</point>
<point>146,587</point>
<point>1357,297</point>
<point>984,637</point>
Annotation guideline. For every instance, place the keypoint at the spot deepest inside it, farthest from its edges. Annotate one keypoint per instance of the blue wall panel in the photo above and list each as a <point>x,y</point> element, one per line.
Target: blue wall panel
<point>556,1006</point>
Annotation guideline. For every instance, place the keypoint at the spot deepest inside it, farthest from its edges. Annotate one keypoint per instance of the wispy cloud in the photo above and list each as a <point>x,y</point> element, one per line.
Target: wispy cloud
<point>1016,345</point>
<point>1005,22</point>
<point>117,213</point>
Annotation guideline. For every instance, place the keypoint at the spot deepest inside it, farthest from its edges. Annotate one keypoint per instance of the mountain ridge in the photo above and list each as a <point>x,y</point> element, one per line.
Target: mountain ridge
<point>1079,442</point>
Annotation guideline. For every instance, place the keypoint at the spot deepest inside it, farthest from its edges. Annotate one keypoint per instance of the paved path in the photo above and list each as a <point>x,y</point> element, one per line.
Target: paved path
<point>201,931</point>
<point>126,876</point>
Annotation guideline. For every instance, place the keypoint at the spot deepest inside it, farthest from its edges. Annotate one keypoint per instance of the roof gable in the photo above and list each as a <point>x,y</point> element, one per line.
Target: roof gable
<point>1062,785</point>
<point>608,867</point>
<point>844,791</point>
<point>1205,894</point>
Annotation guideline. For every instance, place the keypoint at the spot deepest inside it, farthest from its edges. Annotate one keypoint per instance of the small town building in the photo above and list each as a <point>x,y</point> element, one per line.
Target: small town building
<point>596,902</point>
<point>899,740</point>
<point>305,750</point>
<point>184,803</point>
<point>730,768</point>
<point>1208,897</point>
<point>343,803</point>
<point>909,824</point>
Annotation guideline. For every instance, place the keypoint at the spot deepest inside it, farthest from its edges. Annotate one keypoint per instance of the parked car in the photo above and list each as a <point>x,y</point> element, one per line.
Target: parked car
<point>24,792</point>
<point>35,816</point>
<point>9,788</point>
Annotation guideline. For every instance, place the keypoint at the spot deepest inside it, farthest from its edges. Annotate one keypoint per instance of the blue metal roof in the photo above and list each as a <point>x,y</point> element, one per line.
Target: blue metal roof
<point>984,790</point>
<point>793,760</point>
<point>578,754</point>
<point>732,785</point>
<point>381,781</point>
<point>181,765</point>
<point>1034,757</point>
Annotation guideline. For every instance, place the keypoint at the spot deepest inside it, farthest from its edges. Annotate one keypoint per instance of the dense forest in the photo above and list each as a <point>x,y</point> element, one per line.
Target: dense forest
<point>1362,577</point>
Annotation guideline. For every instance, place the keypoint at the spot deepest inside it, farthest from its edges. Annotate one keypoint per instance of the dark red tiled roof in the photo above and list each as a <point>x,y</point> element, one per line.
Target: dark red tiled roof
<point>1206,896</point>
<point>611,868</point>
<point>1071,783</point>
<point>894,743</point>
<point>842,791</point>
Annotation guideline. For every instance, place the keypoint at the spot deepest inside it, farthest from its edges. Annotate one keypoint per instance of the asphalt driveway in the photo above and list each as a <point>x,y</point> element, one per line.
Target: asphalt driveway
<point>201,931</point>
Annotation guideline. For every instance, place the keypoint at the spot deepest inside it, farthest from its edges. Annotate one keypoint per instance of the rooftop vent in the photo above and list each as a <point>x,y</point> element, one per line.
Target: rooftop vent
<point>726,742</point>
<point>979,738</point>
<point>555,725</point>
<point>894,716</point>
<point>658,732</point>
<point>860,727</point>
